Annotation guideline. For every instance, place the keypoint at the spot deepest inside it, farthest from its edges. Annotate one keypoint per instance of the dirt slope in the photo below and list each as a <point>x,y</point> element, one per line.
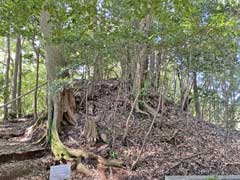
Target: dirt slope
<point>177,145</point>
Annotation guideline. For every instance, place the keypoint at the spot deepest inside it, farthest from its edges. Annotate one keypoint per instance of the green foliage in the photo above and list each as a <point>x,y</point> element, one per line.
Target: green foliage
<point>113,154</point>
<point>28,83</point>
<point>213,178</point>
<point>146,88</point>
<point>191,35</point>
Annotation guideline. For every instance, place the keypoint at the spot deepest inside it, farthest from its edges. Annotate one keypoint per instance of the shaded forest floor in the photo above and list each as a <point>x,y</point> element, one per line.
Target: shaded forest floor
<point>177,145</point>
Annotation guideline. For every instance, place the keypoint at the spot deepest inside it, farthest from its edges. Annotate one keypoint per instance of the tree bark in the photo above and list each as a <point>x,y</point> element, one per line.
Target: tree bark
<point>152,68</point>
<point>54,61</point>
<point>142,57</point>
<point>57,101</point>
<point>196,95</point>
<point>98,72</point>
<point>35,101</point>
<point>158,59</point>
<point>126,68</point>
<point>15,75</point>
<point>19,88</point>
<point>6,81</point>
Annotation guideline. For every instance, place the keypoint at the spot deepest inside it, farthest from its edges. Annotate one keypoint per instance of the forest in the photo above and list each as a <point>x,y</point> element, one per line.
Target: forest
<point>119,89</point>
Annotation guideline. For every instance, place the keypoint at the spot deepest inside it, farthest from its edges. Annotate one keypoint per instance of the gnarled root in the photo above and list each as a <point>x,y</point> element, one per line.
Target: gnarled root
<point>30,131</point>
<point>138,110</point>
<point>60,151</point>
<point>149,109</point>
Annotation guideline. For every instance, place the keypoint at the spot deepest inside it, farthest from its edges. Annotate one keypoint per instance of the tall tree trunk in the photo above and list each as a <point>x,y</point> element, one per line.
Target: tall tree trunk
<point>196,95</point>
<point>60,102</point>
<point>98,68</point>
<point>158,59</point>
<point>225,91</point>
<point>19,88</point>
<point>142,56</point>
<point>126,68</point>
<point>15,74</point>
<point>151,68</point>
<point>6,81</point>
<point>35,101</point>
<point>175,84</point>
<point>54,60</point>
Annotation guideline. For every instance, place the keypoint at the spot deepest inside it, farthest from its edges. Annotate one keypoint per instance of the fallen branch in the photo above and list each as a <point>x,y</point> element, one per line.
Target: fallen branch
<point>203,165</point>
<point>182,160</point>
<point>146,136</point>
<point>129,116</point>
<point>29,92</point>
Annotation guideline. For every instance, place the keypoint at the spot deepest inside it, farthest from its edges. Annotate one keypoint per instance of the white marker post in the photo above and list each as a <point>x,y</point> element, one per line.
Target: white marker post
<point>60,172</point>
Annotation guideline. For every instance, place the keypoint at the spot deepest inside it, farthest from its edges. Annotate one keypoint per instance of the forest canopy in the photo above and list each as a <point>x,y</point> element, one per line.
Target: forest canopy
<point>195,44</point>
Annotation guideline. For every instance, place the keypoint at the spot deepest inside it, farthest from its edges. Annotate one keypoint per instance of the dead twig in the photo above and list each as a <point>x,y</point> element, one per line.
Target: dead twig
<point>27,93</point>
<point>182,160</point>
<point>129,116</point>
<point>146,136</point>
<point>203,165</point>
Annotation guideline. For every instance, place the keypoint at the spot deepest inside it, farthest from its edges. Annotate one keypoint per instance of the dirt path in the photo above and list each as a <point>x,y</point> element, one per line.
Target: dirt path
<point>20,160</point>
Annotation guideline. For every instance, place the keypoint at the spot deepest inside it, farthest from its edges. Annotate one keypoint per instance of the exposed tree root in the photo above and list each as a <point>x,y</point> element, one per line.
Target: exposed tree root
<point>42,140</point>
<point>83,169</point>
<point>60,151</point>
<point>138,110</point>
<point>28,135</point>
<point>149,109</point>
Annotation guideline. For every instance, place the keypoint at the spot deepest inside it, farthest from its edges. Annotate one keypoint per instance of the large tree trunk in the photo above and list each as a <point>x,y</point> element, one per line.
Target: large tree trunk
<point>6,81</point>
<point>142,57</point>
<point>14,91</point>
<point>54,62</point>
<point>60,102</point>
